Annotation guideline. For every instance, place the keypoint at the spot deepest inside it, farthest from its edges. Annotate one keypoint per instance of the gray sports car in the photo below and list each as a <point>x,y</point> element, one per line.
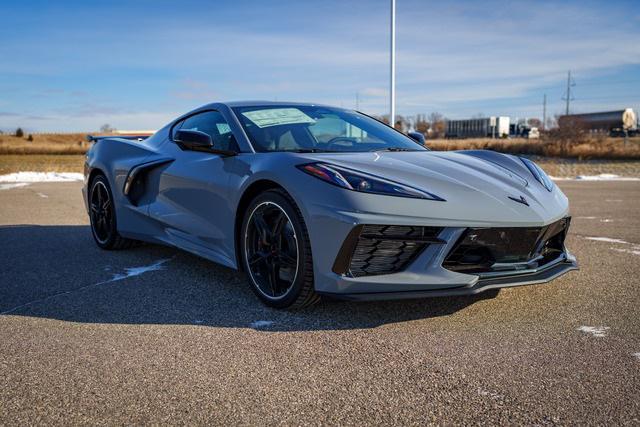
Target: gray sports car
<point>312,200</point>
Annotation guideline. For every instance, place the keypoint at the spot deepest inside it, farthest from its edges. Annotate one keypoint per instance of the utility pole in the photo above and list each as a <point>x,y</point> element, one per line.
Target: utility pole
<point>357,101</point>
<point>544,111</point>
<point>392,91</point>
<point>568,97</point>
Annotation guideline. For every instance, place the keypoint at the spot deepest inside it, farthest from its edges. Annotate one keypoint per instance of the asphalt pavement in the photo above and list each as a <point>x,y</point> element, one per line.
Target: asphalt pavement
<point>154,335</point>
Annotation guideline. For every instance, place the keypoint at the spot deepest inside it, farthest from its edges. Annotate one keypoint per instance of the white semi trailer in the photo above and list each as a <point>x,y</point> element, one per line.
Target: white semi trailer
<point>492,127</point>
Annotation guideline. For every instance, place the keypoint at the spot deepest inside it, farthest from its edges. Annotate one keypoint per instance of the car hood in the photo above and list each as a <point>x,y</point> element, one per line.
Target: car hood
<point>464,179</point>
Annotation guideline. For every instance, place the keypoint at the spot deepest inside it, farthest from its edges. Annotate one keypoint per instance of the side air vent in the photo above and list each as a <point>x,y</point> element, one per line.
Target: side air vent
<point>134,185</point>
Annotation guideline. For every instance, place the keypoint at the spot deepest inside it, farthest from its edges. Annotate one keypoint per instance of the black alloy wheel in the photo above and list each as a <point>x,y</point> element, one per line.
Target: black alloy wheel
<point>277,253</point>
<point>102,215</point>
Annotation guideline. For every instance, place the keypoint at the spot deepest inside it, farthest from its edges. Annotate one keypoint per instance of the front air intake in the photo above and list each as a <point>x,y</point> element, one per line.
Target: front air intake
<point>488,250</point>
<point>371,250</point>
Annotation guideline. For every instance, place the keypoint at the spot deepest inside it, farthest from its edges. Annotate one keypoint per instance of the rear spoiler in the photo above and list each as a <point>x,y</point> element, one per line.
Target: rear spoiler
<point>92,138</point>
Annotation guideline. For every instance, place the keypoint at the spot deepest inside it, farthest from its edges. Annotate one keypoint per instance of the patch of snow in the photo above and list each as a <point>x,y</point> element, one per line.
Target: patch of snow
<point>130,272</point>
<point>607,239</point>
<point>261,324</point>
<point>42,177</point>
<point>594,217</point>
<point>636,355</point>
<point>601,177</point>
<point>596,331</point>
<point>44,196</point>
<point>136,271</point>
<point>10,186</point>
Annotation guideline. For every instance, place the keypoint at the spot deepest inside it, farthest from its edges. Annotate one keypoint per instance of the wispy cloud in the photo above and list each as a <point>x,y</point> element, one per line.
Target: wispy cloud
<point>458,58</point>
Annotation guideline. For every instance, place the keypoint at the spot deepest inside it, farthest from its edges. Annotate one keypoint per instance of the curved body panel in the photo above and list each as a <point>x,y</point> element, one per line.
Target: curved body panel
<point>192,199</point>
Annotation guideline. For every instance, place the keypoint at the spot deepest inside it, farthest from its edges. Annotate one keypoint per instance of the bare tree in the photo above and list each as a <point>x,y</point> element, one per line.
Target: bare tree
<point>437,122</point>
<point>106,128</point>
<point>534,123</point>
<point>569,132</point>
<point>422,125</point>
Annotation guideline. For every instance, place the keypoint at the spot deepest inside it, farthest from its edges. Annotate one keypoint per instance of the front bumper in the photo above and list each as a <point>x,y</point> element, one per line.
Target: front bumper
<point>543,275</point>
<point>424,275</point>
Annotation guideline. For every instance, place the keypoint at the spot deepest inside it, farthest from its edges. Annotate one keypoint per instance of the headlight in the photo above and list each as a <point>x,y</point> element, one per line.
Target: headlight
<point>364,183</point>
<point>538,173</point>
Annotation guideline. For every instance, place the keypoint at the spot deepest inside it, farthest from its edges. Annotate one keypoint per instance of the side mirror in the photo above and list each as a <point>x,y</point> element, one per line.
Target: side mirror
<point>417,137</point>
<point>193,139</point>
<point>199,141</point>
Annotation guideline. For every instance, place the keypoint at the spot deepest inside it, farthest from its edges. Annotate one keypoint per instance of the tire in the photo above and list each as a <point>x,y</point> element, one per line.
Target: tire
<point>102,216</point>
<point>296,289</point>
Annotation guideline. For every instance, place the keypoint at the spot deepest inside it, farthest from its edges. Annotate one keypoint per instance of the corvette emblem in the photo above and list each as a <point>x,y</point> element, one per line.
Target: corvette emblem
<point>520,200</point>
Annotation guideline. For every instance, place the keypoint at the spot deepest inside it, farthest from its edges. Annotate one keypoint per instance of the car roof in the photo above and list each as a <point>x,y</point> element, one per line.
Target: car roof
<point>264,103</point>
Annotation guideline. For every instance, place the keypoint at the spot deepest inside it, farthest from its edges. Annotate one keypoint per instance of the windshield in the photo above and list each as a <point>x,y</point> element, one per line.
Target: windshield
<point>318,129</point>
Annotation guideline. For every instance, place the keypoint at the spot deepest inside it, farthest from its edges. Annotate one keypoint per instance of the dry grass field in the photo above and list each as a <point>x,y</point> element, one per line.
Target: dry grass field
<point>44,144</point>
<point>595,148</point>
<point>10,163</point>
<point>65,153</point>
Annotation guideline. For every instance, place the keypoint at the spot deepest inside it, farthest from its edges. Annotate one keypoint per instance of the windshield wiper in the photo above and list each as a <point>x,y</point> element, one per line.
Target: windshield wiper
<point>309,150</point>
<point>393,149</point>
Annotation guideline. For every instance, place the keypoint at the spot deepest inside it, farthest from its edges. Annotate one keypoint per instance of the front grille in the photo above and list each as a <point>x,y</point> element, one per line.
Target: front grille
<point>383,249</point>
<point>483,250</point>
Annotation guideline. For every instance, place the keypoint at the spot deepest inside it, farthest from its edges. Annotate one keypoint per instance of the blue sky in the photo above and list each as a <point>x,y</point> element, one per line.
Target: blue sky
<point>75,65</point>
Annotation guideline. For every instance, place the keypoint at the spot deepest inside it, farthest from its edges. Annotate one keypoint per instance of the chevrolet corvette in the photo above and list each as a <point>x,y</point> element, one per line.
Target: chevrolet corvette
<point>311,200</point>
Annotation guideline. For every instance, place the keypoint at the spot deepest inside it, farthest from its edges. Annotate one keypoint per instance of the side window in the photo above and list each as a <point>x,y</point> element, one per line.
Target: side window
<point>213,124</point>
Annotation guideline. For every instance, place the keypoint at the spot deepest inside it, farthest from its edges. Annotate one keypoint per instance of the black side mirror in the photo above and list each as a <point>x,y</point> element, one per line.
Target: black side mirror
<point>417,137</point>
<point>199,141</point>
<point>193,139</point>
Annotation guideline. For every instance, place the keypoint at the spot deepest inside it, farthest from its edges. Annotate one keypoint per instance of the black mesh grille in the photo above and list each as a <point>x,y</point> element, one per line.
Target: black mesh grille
<point>386,249</point>
<point>483,250</point>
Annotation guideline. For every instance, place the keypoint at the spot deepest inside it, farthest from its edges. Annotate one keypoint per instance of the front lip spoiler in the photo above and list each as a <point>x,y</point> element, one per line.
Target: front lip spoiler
<point>539,276</point>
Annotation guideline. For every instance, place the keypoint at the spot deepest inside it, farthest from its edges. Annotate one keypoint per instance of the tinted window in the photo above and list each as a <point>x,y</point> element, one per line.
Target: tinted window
<point>213,124</point>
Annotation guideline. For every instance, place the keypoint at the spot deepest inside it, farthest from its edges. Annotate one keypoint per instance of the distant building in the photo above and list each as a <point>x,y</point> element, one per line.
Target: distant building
<point>492,127</point>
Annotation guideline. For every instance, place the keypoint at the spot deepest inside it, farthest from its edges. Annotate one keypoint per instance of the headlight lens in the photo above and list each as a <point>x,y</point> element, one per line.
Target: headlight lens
<point>364,183</point>
<point>537,172</point>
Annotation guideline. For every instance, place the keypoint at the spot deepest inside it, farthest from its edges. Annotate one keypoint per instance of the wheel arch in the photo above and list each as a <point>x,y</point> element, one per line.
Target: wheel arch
<point>95,171</point>
<point>251,192</point>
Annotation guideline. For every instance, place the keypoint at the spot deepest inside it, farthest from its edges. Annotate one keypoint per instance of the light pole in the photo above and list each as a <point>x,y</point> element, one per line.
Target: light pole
<point>392,91</point>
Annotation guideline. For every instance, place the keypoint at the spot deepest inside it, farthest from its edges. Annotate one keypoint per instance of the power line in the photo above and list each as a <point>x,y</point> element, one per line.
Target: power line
<point>544,111</point>
<point>567,96</point>
<point>609,83</point>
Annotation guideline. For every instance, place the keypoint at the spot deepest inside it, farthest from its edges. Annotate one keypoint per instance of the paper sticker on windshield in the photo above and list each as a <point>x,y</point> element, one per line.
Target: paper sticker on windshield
<point>223,128</point>
<point>277,116</point>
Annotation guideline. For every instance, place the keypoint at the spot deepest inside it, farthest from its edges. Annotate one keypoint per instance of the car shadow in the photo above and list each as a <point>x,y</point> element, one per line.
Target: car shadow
<point>57,272</point>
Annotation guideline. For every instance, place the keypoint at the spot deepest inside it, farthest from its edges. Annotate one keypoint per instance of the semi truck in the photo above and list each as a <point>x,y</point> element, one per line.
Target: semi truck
<point>492,127</point>
<point>615,123</point>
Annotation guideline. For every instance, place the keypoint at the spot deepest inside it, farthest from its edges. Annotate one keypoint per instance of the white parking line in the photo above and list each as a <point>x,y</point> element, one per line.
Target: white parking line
<point>596,331</point>
<point>607,239</point>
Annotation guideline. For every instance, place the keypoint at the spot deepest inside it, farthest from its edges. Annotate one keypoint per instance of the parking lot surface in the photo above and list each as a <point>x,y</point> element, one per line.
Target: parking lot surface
<point>155,335</point>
